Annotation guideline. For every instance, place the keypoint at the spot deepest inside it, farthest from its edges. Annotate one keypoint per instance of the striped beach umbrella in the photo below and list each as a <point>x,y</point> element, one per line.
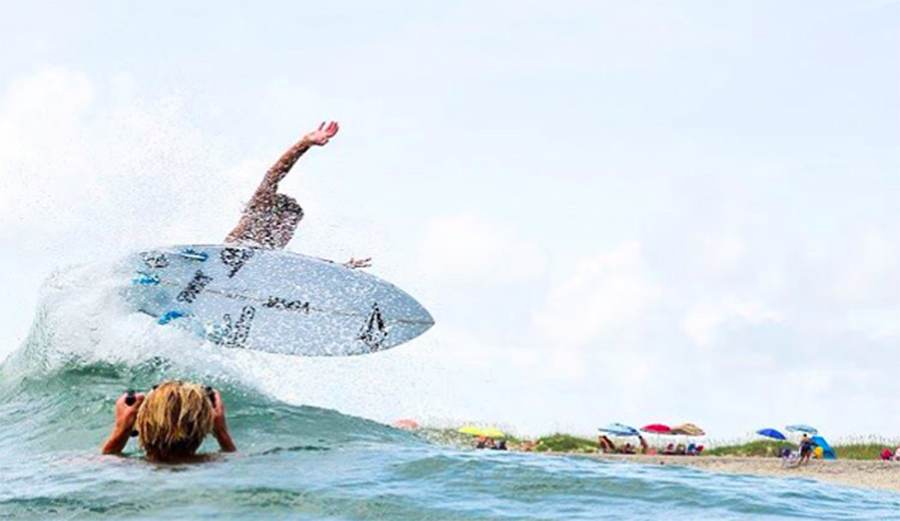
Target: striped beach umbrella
<point>618,429</point>
<point>687,429</point>
<point>799,427</point>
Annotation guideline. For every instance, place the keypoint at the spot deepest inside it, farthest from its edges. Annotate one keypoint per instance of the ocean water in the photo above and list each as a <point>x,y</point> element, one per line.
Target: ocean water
<point>300,462</point>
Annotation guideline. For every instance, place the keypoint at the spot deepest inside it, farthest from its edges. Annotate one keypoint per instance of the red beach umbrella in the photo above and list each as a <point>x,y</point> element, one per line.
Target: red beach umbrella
<point>656,428</point>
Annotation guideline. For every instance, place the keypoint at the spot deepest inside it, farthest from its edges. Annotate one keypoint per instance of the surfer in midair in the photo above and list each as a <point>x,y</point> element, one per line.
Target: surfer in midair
<point>270,218</point>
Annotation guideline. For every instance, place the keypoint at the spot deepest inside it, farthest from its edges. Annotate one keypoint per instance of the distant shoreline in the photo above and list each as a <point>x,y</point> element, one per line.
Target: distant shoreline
<point>883,475</point>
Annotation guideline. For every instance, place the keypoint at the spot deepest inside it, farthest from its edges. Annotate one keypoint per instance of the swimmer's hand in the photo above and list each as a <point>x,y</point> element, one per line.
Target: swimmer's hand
<point>358,263</point>
<point>220,426</point>
<point>321,136</point>
<point>126,415</point>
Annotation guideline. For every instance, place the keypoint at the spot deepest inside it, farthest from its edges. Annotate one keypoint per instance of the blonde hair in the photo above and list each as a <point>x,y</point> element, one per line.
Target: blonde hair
<point>173,420</point>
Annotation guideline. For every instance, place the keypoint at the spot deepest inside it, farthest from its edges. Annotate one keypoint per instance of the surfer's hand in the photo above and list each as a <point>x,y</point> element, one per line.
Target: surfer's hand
<point>126,415</point>
<point>325,132</point>
<point>358,263</point>
<point>220,426</point>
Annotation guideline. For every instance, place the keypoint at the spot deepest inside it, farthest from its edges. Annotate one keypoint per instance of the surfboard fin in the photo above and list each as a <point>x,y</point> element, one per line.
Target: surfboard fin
<point>170,316</point>
<point>194,255</point>
<point>145,279</point>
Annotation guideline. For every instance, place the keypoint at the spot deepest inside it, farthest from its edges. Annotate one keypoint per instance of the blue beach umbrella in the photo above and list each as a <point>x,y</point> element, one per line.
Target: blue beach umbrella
<point>802,428</point>
<point>617,429</point>
<point>771,433</point>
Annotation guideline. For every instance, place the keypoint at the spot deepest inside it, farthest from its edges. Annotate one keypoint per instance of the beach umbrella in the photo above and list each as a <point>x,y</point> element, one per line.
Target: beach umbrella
<point>771,433</point>
<point>657,428</point>
<point>409,425</point>
<point>617,429</point>
<point>490,432</point>
<point>493,432</point>
<point>687,429</point>
<point>472,430</point>
<point>802,428</point>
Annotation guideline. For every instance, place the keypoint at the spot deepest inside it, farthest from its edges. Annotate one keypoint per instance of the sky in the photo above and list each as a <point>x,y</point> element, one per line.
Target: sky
<point>616,211</point>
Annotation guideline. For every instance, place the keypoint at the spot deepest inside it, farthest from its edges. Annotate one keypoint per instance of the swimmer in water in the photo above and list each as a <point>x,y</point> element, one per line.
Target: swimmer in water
<point>270,218</point>
<point>171,422</point>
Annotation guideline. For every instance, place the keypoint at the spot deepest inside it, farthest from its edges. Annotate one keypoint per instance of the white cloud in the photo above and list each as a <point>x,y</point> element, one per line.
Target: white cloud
<point>608,292</point>
<point>701,321</point>
<point>40,116</point>
<point>871,270</point>
<point>471,249</point>
<point>722,255</point>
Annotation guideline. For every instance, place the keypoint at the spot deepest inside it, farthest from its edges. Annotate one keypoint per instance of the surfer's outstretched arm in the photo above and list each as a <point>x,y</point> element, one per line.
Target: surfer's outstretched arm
<point>126,415</point>
<point>280,169</point>
<point>257,222</point>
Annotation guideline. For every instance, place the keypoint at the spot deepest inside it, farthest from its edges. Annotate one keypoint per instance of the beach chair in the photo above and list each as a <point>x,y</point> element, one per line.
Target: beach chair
<point>790,458</point>
<point>699,450</point>
<point>887,455</point>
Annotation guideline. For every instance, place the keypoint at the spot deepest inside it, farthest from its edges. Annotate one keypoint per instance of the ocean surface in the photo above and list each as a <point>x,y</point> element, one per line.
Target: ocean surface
<point>298,462</point>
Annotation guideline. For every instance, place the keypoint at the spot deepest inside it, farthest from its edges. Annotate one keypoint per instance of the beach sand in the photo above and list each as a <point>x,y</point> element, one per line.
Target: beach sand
<point>855,473</point>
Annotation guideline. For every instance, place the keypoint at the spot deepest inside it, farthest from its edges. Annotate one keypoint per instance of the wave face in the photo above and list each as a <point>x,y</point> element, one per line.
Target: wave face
<point>296,462</point>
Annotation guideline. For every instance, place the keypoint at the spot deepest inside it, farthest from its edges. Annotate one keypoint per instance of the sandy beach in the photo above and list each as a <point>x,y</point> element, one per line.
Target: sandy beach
<point>872,474</point>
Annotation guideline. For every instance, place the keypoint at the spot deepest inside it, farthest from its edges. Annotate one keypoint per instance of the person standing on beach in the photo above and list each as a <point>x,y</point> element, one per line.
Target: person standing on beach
<point>270,218</point>
<point>644,447</point>
<point>806,449</point>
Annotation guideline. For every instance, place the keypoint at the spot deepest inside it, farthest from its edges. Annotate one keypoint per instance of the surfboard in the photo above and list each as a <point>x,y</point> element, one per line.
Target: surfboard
<point>243,297</point>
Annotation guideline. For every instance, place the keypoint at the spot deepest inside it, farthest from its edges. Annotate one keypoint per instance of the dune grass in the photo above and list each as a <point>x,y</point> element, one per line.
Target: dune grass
<point>560,442</point>
<point>860,450</point>
<point>758,448</point>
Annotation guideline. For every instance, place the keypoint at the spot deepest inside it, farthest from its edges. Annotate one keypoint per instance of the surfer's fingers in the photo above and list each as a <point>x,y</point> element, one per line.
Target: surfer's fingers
<point>322,126</point>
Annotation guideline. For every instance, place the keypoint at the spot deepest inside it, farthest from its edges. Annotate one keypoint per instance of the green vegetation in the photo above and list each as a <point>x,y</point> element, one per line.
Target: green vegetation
<point>565,443</point>
<point>860,450</point>
<point>760,448</point>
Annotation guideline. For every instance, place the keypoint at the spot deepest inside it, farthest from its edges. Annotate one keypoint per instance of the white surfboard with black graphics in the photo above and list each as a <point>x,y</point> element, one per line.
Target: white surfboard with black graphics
<point>266,300</point>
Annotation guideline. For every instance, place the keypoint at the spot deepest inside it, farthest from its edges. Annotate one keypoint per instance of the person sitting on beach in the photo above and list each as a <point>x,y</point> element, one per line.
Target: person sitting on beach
<point>171,422</point>
<point>897,455</point>
<point>627,449</point>
<point>500,445</point>
<point>605,444</point>
<point>270,218</point>
<point>669,450</point>
<point>485,442</point>
<point>680,450</point>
